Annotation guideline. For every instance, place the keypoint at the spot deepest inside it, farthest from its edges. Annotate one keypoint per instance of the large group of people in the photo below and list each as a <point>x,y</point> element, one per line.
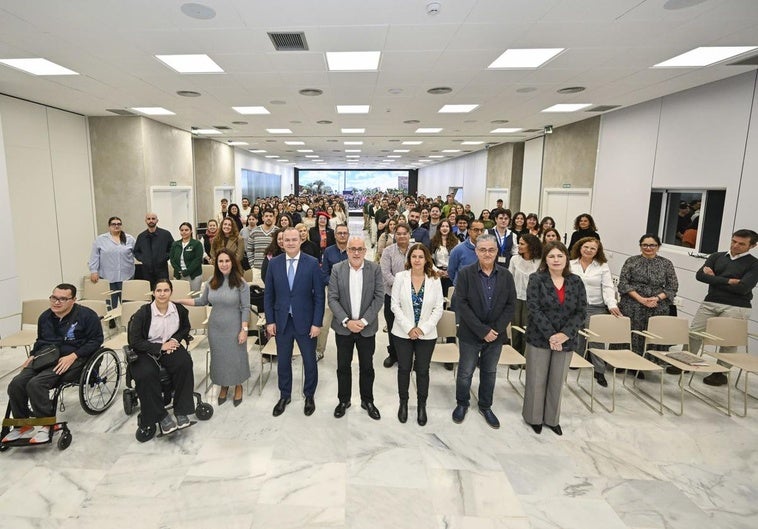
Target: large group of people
<point>505,269</point>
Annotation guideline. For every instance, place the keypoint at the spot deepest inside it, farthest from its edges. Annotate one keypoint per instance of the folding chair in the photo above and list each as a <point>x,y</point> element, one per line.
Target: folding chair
<point>270,349</point>
<point>446,353</point>
<point>119,340</point>
<point>511,357</point>
<point>612,330</point>
<point>25,337</point>
<point>136,290</point>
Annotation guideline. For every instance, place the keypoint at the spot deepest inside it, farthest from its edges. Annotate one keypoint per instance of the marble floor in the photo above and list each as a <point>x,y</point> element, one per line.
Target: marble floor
<point>632,469</point>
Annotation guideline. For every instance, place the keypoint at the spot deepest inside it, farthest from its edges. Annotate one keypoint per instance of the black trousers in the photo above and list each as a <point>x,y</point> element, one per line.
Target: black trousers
<point>416,354</point>
<point>31,387</point>
<point>146,374</point>
<point>389,317</point>
<point>366,345</point>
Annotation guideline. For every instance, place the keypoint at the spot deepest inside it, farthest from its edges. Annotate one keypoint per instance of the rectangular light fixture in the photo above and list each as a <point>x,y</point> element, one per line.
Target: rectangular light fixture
<point>352,156</point>
<point>197,63</point>
<point>504,130</point>
<point>436,156</point>
<point>524,58</point>
<point>257,151</point>
<point>353,131</point>
<point>401,150</point>
<point>38,66</point>
<point>353,61</point>
<point>704,56</point>
<point>451,150</point>
<point>305,150</point>
<point>457,109</point>
<point>294,143</point>
<point>352,150</point>
<point>250,111</point>
<point>567,107</point>
<point>428,130</point>
<point>236,143</point>
<point>472,142</point>
<point>311,155</point>
<point>279,131</point>
<point>153,111</point>
<point>206,131</point>
<point>272,156</point>
<point>394,156</point>
<point>412,143</point>
<point>353,109</point>
<point>352,142</point>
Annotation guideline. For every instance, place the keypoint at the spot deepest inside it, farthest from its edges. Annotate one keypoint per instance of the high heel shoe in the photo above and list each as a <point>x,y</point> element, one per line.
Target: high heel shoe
<point>237,401</point>
<point>223,394</point>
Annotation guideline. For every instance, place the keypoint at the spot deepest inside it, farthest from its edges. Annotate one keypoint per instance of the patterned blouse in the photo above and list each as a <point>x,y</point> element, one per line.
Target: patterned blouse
<point>418,300</point>
<point>648,277</point>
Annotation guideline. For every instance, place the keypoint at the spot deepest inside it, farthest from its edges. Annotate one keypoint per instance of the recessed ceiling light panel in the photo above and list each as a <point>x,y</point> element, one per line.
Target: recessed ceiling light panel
<point>457,109</point>
<point>197,63</point>
<point>567,107</point>
<point>206,132</point>
<point>38,66</point>
<point>353,131</point>
<point>294,143</point>
<point>704,56</point>
<point>153,111</point>
<point>428,130</point>
<point>412,143</point>
<point>524,58</point>
<point>353,61</point>
<point>353,109</point>
<point>251,110</point>
<point>505,130</point>
<point>279,131</point>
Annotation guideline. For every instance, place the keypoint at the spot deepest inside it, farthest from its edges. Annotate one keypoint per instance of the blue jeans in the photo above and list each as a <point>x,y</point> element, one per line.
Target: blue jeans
<point>488,355</point>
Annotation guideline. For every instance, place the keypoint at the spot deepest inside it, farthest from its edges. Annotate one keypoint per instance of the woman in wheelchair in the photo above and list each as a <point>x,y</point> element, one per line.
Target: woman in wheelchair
<point>155,334</point>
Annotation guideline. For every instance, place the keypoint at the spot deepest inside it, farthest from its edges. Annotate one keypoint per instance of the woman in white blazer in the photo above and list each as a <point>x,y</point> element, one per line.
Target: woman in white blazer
<point>417,305</point>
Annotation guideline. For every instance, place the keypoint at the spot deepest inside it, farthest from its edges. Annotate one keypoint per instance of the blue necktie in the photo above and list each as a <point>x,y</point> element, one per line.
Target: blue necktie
<point>291,272</point>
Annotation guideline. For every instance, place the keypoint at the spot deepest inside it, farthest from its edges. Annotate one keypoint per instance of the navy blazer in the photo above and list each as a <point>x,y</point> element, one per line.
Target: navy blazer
<point>547,316</point>
<point>475,320</point>
<point>306,297</point>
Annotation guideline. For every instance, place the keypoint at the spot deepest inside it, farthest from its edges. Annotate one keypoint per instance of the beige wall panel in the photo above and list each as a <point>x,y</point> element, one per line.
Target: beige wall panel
<point>214,166</point>
<point>570,155</point>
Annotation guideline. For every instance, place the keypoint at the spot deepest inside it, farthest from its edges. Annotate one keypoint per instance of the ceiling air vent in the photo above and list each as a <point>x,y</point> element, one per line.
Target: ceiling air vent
<point>221,127</point>
<point>288,41</point>
<point>602,108</point>
<point>120,111</point>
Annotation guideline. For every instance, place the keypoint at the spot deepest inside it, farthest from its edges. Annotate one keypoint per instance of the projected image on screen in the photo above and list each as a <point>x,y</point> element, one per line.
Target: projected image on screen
<point>359,183</point>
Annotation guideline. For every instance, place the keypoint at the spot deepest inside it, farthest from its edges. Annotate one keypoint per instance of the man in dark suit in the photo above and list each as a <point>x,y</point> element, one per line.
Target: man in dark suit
<point>152,249</point>
<point>485,301</point>
<point>356,295</point>
<point>294,305</point>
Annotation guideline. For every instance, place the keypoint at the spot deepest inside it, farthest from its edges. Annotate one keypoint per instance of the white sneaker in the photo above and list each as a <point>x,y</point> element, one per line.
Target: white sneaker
<point>25,432</point>
<point>42,436</point>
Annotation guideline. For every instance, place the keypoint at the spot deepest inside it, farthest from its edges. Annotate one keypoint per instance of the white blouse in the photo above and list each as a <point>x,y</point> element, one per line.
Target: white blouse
<point>521,269</point>
<point>598,282</point>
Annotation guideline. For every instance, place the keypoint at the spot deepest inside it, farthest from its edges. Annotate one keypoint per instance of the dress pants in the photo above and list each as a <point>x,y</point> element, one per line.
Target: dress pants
<point>366,345</point>
<point>31,387</point>
<point>146,374</point>
<point>389,317</point>
<point>488,355</point>
<point>416,354</point>
<point>545,374</point>
<point>709,309</point>
<point>324,335</point>
<point>285,342</point>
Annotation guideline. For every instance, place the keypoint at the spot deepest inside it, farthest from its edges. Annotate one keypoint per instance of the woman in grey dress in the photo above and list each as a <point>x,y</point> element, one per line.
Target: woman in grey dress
<point>229,295</point>
<point>647,284</point>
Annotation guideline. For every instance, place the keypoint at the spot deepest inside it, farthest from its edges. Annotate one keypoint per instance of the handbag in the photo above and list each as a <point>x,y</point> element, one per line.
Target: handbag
<point>47,356</point>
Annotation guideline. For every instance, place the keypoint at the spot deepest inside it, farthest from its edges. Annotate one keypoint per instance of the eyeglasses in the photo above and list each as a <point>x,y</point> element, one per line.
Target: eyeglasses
<point>115,224</point>
<point>475,229</point>
<point>648,246</point>
<point>486,250</point>
<point>356,250</point>
<point>54,299</point>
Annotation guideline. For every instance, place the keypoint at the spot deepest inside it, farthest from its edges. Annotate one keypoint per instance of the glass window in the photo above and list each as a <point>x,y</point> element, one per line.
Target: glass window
<point>690,218</point>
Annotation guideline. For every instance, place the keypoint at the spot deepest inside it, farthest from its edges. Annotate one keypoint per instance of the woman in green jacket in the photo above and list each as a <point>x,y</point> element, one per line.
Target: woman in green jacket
<point>187,257</point>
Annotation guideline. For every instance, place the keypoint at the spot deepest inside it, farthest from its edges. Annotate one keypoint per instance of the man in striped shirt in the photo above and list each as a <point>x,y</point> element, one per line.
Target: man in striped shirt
<point>259,240</point>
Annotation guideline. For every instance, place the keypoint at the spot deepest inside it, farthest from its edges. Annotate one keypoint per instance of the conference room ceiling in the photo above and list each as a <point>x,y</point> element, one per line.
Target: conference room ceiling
<point>610,48</point>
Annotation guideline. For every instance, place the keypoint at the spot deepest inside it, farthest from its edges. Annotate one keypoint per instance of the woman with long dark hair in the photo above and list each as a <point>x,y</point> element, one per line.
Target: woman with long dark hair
<point>521,267</point>
<point>443,242</point>
<point>186,257</point>
<point>584,226</point>
<point>228,238</point>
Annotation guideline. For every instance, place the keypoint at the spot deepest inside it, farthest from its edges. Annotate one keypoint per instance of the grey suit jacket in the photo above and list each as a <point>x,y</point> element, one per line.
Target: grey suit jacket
<point>372,297</point>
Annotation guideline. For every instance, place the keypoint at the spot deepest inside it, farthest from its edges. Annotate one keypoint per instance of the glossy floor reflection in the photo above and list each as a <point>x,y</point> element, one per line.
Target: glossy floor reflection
<point>246,469</point>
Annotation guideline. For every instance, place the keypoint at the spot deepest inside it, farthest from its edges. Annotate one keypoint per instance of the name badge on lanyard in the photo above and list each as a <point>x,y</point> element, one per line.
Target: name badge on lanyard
<point>502,247</point>
<point>501,259</point>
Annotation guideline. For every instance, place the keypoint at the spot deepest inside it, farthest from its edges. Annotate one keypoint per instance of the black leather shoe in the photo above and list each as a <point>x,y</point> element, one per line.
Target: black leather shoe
<point>225,391</point>
<point>402,411</point>
<point>490,417</point>
<point>600,378</point>
<point>449,366</point>
<point>310,406</point>
<point>421,414</point>
<point>556,429</point>
<point>279,407</point>
<point>715,379</point>
<point>640,375</point>
<point>389,361</point>
<point>671,370</point>
<point>371,409</point>
<point>537,428</point>
<point>459,413</point>
<point>339,411</point>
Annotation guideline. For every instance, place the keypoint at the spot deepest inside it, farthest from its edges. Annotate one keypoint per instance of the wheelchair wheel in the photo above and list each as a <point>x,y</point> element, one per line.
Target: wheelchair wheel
<point>100,380</point>
<point>130,401</point>
<point>204,411</point>
<point>64,441</point>
<point>3,448</point>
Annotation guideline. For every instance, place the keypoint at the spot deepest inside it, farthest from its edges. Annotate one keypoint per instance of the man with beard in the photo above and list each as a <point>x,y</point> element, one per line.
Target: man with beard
<point>152,249</point>
<point>434,219</point>
<point>418,234</point>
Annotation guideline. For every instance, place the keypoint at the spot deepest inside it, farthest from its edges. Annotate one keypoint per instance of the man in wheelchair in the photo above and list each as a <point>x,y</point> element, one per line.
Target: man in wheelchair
<point>155,334</point>
<point>76,333</point>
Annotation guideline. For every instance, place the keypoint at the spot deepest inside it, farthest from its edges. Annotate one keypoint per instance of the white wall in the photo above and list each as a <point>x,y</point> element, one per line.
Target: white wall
<point>703,137</point>
<point>469,172</point>
<point>50,180</point>
<point>245,160</point>
<point>10,301</point>
<point>531,183</point>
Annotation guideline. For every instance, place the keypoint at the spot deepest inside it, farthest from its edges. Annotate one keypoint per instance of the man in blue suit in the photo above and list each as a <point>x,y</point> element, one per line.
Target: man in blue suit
<point>294,306</point>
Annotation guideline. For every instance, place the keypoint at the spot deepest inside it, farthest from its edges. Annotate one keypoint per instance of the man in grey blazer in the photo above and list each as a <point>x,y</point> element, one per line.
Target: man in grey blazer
<point>485,301</point>
<point>356,295</point>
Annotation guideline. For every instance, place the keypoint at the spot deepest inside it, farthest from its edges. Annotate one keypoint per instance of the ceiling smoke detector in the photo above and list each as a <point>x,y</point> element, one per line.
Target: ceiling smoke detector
<point>433,8</point>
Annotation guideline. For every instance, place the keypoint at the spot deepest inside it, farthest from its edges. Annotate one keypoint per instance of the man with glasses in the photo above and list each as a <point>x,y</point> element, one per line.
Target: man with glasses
<point>78,333</point>
<point>355,296</point>
<point>334,254</point>
<point>485,301</point>
<point>464,254</point>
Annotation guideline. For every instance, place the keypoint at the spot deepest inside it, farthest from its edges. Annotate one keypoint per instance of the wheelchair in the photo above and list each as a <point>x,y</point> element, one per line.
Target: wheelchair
<point>145,432</point>
<point>98,385</point>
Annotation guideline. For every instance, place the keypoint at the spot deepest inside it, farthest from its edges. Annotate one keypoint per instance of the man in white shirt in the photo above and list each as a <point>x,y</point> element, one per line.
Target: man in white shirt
<point>356,295</point>
<point>507,243</point>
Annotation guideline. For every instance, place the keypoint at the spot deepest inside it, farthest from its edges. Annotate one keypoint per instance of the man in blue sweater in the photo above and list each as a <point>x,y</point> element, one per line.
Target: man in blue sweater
<point>731,277</point>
